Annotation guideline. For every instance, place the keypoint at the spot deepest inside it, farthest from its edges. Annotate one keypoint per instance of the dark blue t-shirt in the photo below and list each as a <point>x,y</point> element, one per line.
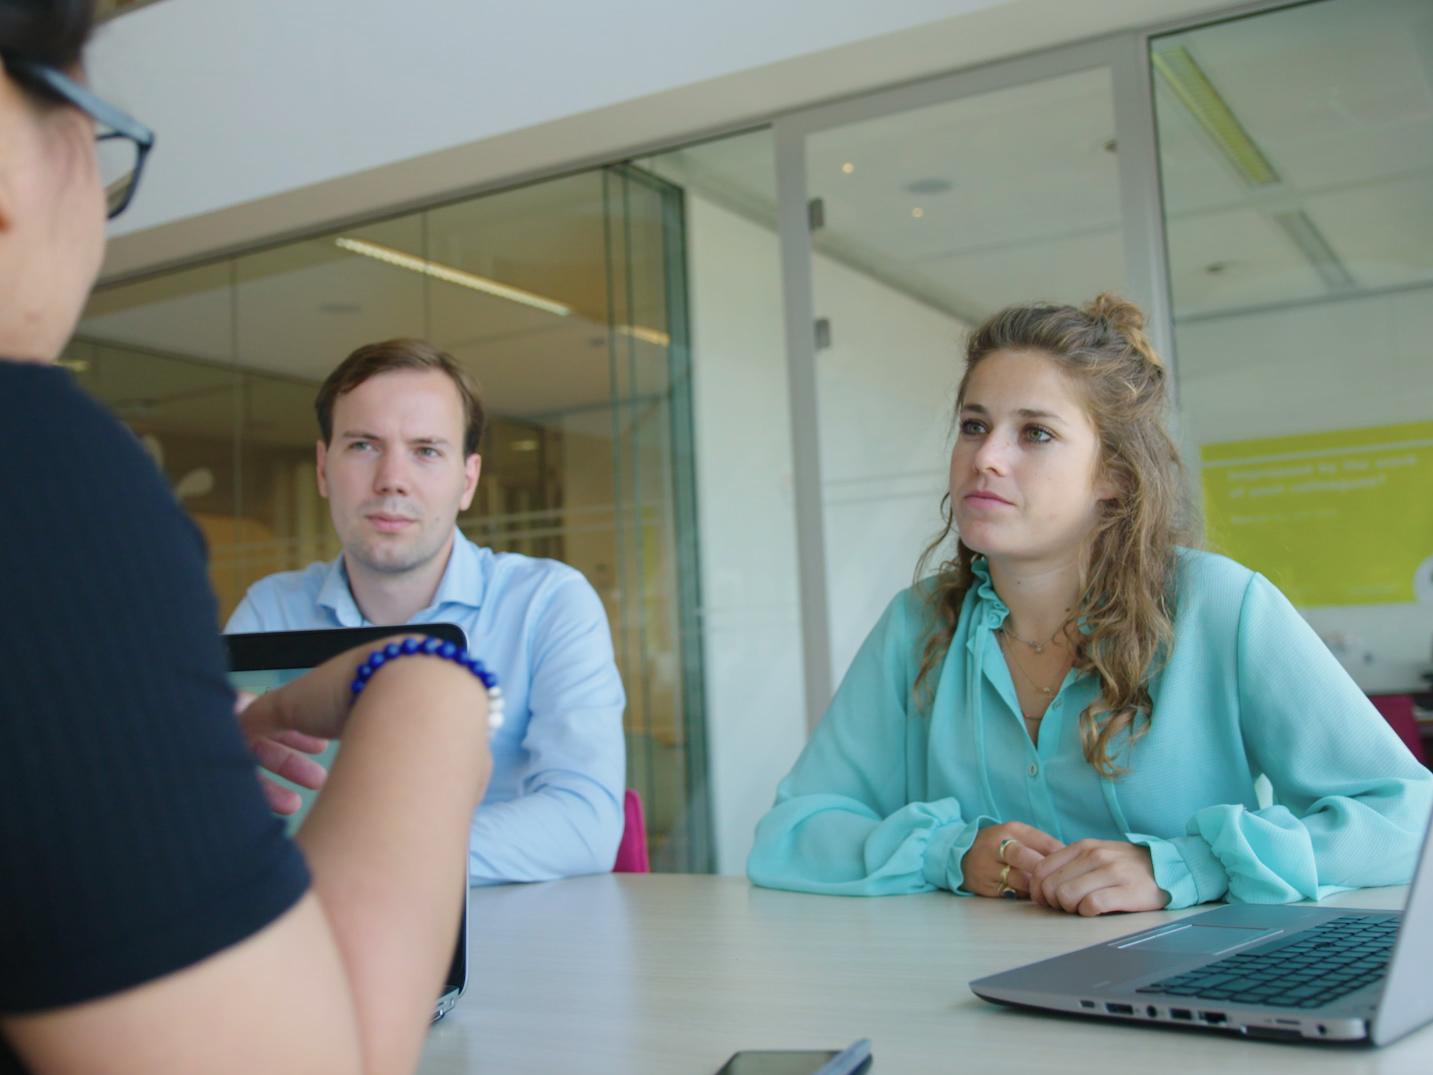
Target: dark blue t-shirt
<point>134,839</point>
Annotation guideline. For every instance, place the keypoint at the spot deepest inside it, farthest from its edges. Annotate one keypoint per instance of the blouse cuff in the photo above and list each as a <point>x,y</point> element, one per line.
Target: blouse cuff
<point>946,851</point>
<point>1185,867</point>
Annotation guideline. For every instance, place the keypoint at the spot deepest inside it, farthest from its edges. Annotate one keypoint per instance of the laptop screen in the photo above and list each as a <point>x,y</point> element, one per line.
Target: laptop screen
<point>262,662</point>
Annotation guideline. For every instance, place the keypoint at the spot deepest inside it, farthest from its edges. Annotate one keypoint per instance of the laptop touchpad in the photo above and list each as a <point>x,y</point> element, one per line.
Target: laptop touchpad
<point>1192,939</point>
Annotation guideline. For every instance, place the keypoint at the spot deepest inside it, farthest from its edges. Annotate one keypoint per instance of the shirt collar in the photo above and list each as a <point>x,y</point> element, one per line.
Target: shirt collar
<point>464,582</point>
<point>336,596</point>
<point>465,579</point>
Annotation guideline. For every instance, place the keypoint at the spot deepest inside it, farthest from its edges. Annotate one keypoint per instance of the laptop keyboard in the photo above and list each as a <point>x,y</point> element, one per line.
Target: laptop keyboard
<point>1324,963</point>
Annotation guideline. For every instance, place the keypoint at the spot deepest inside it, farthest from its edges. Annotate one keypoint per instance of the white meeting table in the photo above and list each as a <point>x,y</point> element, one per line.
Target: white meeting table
<point>668,974</point>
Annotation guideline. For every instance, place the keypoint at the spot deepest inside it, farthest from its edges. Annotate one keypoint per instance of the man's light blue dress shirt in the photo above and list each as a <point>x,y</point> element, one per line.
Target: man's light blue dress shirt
<point>554,805</point>
<point>887,798</point>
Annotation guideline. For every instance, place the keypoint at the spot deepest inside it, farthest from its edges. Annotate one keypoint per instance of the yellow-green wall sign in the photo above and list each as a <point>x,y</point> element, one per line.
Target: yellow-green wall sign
<point>1337,518</point>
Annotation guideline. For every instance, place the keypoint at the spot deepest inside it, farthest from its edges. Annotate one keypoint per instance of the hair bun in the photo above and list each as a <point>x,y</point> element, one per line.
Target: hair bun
<point>1127,319</point>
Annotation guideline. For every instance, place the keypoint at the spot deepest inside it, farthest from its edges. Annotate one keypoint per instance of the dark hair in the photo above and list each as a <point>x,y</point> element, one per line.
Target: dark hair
<point>49,32</point>
<point>1127,598</point>
<point>374,358</point>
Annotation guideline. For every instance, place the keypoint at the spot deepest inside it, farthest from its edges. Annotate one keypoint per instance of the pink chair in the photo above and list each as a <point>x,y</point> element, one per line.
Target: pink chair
<point>1397,709</point>
<point>632,851</point>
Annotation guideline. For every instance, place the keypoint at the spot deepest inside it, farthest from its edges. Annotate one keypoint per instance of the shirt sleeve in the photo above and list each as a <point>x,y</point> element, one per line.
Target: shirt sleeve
<point>1350,802</point>
<point>567,819</point>
<point>134,839</point>
<point>842,823</point>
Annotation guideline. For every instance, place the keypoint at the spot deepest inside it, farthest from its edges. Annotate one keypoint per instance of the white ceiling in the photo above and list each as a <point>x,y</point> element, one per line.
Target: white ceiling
<point>1031,210</point>
<point>1339,96</point>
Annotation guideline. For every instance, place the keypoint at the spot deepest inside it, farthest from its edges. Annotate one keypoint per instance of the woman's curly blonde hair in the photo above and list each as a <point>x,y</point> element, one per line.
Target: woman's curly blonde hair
<point>1127,586</point>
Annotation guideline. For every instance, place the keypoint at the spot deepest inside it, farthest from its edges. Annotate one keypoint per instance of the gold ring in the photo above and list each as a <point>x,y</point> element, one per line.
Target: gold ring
<point>1007,893</point>
<point>1005,876</point>
<point>1000,851</point>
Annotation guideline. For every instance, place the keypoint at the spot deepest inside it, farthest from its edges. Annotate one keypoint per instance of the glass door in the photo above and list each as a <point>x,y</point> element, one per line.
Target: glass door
<point>922,211</point>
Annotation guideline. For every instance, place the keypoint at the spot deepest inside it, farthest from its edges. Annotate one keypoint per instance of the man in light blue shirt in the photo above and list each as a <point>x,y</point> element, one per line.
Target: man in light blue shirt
<point>397,461</point>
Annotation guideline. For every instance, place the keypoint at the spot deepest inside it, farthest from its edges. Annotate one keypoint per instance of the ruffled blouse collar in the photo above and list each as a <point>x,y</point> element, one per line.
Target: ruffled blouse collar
<point>988,605</point>
<point>987,610</point>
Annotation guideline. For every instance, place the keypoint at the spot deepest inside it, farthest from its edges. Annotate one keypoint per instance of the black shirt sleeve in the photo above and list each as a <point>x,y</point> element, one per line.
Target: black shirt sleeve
<point>134,839</point>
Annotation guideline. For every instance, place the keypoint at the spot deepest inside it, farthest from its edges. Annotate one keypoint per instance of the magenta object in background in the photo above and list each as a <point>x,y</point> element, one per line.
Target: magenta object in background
<point>1397,709</point>
<point>632,851</point>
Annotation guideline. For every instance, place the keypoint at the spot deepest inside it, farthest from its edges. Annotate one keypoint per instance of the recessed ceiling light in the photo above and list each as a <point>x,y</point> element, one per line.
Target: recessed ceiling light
<point>848,168</point>
<point>918,212</point>
<point>929,185</point>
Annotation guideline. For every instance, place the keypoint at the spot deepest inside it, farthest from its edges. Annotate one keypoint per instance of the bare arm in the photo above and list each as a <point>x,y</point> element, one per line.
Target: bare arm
<point>387,841</point>
<point>345,981</point>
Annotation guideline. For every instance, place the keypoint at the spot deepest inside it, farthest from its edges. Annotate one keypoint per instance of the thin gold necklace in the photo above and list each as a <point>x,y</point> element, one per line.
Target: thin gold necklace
<point>1038,647</point>
<point>1048,692</point>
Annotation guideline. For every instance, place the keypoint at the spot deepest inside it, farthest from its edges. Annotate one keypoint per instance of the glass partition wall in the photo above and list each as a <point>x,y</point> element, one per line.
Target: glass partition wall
<point>1296,152</point>
<point>566,301</point>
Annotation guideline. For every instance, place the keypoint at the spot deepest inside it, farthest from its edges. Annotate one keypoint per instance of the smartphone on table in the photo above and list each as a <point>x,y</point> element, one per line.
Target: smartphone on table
<point>855,1059</point>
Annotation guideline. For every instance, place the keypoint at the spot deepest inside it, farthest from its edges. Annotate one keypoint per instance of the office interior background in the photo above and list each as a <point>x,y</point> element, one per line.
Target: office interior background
<point>713,270</point>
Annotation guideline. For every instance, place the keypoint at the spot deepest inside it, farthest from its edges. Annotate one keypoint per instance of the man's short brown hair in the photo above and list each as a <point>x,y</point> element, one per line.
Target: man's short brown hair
<point>403,354</point>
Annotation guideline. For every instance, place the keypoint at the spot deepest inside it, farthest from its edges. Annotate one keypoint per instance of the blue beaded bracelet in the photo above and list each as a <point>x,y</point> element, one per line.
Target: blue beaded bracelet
<point>438,648</point>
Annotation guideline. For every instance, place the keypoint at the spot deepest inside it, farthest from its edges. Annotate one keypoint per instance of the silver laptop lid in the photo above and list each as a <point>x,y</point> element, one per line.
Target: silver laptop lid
<point>1407,1002</point>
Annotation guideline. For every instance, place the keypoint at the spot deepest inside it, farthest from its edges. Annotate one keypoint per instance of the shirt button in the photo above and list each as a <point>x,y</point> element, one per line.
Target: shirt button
<point>1034,769</point>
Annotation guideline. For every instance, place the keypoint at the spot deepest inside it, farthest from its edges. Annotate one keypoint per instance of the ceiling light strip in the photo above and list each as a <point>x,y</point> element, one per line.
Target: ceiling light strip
<point>450,275</point>
<point>647,335</point>
<point>1190,84</point>
<point>1305,234</point>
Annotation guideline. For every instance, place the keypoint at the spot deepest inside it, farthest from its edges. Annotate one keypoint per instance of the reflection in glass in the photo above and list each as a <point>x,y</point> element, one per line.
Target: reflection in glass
<point>1310,184</point>
<point>1296,155</point>
<point>157,352</point>
<point>559,298</point>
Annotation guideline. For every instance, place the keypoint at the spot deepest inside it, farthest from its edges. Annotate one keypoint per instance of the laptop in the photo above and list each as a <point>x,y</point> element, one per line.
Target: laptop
<point>261,662</point>
<point>1295,973</point>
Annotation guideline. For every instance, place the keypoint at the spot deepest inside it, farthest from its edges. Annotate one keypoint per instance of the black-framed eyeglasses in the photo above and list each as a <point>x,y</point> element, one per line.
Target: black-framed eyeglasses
<point>121,142</point>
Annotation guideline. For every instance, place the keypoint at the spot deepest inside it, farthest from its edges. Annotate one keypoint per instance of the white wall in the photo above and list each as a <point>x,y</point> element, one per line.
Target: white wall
<point>883,392</point>
<point>886,396</point>
<point>750,612</point>
<point>276,116</point>
<point>1335,365</point>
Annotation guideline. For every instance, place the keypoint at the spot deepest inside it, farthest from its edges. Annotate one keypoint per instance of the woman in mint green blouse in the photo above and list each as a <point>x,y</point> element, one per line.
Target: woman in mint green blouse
<point>1076,708</point>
